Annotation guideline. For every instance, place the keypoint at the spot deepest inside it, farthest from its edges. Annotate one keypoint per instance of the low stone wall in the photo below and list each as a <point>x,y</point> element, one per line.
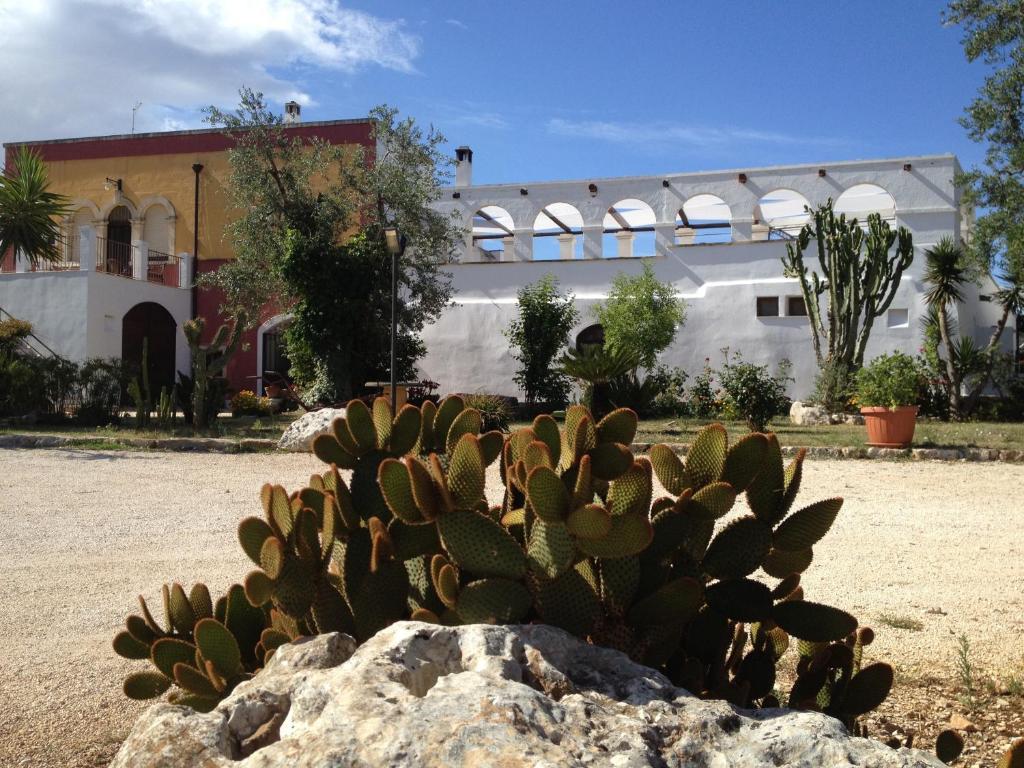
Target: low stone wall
<point>197,444</point>
<point>864,452</point>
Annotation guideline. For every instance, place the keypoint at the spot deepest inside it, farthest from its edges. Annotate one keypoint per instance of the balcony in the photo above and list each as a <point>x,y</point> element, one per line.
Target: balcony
<point>133,261</point>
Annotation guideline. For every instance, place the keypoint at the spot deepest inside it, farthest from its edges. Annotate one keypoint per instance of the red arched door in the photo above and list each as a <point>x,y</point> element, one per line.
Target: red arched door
<point>149,321</point>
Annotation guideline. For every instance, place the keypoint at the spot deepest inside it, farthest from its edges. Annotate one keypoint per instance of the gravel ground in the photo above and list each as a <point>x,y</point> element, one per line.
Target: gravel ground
<point>86,531</point>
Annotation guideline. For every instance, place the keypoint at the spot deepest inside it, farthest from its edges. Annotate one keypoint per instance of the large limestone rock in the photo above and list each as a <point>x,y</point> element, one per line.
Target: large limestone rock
<point>803,414</point>
<point>300,433</point>
<point>426,695</point>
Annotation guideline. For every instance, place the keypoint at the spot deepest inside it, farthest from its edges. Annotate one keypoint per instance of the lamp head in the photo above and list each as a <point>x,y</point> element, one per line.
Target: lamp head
<point>394,240</point>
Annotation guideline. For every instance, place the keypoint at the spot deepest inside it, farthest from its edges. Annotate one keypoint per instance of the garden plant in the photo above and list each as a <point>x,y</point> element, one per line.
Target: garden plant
<point>578,542</point>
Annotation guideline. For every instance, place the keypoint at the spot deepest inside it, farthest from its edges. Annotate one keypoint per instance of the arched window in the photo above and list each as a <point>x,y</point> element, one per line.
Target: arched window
<point>558,233</point>
<point>591,336</point>
<point>156,229</point>
<point>860,200</point>
<point>118,247</point>
<point>703,218</point>
<point>629,229</point>
<point>784,212</point>
<point>491,226</point>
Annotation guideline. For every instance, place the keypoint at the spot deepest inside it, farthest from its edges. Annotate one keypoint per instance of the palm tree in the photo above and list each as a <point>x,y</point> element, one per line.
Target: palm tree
<point>29,212</point>
<point>945,274</point>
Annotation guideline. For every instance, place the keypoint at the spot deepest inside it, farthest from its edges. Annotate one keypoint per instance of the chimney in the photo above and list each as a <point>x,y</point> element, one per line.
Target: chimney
<point>463,166</point>
<point>292,112</point>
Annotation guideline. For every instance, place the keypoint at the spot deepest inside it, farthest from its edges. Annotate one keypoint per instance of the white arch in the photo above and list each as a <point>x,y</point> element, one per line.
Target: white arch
<point>150,200</point>
<point>79,203</point>
<point>491,225</point>
<point>118,201</point>
<point>629,229</point>
<point>270,325</point>
<point>862,199</point>
<point>710,218</point>
<point>560,229</point>
<point>784,210</point>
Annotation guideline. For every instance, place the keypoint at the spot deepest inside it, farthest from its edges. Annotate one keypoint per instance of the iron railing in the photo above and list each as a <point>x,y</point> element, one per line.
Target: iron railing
<point>114,257</point>
<point>163,268</point>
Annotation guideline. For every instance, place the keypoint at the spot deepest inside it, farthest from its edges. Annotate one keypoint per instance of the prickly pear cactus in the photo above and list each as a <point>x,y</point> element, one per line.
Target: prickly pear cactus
<point>700,583</point>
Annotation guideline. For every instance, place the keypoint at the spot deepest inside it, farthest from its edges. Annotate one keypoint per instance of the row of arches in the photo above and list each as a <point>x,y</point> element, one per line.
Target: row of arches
<point>119,224</point>
<point>628,226</point>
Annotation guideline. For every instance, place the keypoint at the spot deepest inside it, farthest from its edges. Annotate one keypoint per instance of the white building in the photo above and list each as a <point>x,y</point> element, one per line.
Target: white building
<point>716,236</point>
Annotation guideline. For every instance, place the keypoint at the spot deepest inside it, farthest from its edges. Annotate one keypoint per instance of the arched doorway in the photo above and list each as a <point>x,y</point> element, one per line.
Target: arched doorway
<point>151,321</point>
<point>119,242</point>
<point>591,336</point>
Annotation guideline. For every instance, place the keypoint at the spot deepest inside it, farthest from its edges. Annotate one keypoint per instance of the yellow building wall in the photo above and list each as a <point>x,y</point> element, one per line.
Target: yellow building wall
<point>169,176</point>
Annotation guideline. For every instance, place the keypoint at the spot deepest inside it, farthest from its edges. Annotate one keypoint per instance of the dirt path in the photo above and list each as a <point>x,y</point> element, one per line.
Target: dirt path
<point>84,532</point>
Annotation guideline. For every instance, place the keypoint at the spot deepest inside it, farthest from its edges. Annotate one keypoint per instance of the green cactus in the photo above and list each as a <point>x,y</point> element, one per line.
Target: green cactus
<point>208,361</point>
<point>578,542</point>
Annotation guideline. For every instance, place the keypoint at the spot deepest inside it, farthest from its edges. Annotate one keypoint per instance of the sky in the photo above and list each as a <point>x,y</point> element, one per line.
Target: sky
<point>539,90</point>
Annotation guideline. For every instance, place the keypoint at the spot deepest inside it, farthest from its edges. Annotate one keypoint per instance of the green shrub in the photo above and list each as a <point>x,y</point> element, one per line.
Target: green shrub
<point>537,335</point>
<point>495,410</point>
<point>752,393</point>
<point>642,315</point>
<point>12,331</point>
<point>704,401</point>
<point>577,543</point>
<point>628,390</point>
<point>246,403</point>
<point>834,387</point>
<point>100,383</point>
<point>889,381</point>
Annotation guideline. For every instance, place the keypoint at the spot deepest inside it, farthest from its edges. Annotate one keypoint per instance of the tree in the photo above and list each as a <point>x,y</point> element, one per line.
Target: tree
<point>860,275</point>
<point>309,236</point>
<point>641,316</point>
<point>537,335</point>
<point>994,33</point>
<point>29,212</point>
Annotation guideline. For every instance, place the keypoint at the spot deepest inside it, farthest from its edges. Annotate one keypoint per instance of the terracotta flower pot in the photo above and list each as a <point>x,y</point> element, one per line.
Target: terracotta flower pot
<point>890,427</point>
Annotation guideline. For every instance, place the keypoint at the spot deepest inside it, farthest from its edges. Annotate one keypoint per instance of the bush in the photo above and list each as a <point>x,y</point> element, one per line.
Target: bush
<point>537,335</point>
<point>834,387</point>
<point>752,393</point>
<point>670,400</point>
<point>495,410</point>
<point>246,403</point>
<point>100,383</point>
<point>703,400</point>
<point>642,315</point>
<point>678,595</point>
<point>12,331</point>
<point>890,381</point>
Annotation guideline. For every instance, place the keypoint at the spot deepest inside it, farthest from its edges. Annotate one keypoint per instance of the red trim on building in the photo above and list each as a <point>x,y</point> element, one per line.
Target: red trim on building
<point>184,142</point>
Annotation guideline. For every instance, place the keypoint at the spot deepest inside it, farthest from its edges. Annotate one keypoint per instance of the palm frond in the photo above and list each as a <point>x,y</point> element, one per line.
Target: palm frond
<point>945,272</point>
<point>29,212</point>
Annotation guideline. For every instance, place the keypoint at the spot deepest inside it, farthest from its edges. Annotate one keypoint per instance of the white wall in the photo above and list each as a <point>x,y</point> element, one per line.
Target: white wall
<point>466,350</point>
<point>79,314</point>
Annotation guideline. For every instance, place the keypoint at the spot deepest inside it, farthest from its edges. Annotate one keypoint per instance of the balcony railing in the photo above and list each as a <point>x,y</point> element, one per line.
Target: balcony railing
<point>83,252</point>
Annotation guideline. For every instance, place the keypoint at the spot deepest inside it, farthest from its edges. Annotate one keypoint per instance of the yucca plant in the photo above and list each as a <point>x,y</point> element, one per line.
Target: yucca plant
<point>29,213</point>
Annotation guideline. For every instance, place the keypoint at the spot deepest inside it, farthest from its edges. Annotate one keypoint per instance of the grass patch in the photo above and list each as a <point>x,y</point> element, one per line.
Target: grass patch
<point>929,434</point>
<point>900,622</point>
<point>267,427</point>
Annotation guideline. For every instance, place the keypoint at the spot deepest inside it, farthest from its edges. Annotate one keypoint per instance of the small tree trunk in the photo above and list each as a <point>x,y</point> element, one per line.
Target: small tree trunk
<point>952,375</point>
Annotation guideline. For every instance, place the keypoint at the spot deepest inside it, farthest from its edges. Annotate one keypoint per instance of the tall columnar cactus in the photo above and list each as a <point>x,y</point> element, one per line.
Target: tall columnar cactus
<point>860,273</point>
<point>209,360</point>
<point>139,390</point>
<point>577,542</point>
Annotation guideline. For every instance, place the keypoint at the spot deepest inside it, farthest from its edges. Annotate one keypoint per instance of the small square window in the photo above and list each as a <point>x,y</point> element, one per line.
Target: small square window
<point>898,318</point>
<point>767,306</point>
<point>984,297</point>
<point>795,306</point>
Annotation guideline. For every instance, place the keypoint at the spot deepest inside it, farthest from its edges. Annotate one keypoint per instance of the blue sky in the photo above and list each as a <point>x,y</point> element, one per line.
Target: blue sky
<point>539,90</point>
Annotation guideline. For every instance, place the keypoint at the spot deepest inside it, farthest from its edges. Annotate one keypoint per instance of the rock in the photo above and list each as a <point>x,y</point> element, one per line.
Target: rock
<point>960,723</point>
<point>301,432</point>
<point>807,415</point>
<point>428,695</point>
<point>853,418</point>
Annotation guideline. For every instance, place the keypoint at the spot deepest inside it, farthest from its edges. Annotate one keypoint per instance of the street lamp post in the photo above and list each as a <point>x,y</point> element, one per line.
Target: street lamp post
<point>395,242</point>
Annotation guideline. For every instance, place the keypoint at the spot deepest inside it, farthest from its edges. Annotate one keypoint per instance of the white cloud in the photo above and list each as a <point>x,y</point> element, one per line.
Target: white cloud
<point>76,67</point>
<point>662,133</point>
<point>456,23</point>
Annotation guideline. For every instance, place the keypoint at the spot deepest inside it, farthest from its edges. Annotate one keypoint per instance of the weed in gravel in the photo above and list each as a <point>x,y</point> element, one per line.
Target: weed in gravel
<point>965,670</point>
<point>900,622</point>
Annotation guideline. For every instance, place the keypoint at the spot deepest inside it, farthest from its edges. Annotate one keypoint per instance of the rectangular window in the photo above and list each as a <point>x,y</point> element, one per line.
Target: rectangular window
<point>795,306</point>
<point>767,306</point>
<point>984,297</point>
<point>898,318</point>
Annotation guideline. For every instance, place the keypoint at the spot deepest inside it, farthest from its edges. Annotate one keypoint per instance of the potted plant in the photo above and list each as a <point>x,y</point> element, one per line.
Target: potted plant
<point>887,389</point>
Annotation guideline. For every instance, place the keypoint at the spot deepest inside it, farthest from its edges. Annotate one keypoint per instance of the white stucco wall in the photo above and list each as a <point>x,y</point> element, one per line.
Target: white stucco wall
<point>79,314</point>
<point>466,350</point>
